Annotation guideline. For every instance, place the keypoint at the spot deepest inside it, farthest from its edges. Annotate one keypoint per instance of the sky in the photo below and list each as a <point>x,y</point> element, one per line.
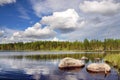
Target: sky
<point>58,20</point>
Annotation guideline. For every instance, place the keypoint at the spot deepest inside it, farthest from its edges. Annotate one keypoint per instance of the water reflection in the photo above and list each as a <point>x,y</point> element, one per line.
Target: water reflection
<point>71,69</point>
<point>28,69</point>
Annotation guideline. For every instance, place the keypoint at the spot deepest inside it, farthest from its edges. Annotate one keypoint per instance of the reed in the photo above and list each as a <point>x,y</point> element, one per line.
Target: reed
<point>114,60</point>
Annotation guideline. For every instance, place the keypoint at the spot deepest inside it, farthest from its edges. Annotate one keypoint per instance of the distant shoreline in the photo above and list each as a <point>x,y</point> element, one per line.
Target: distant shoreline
<point>58,51</point>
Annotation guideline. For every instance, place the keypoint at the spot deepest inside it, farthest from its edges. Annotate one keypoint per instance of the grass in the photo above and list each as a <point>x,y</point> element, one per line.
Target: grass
<point>113,59</point>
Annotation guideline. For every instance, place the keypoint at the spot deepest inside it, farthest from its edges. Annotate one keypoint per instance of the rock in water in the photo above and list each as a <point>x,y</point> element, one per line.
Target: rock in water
<point>84,58</point>
<point>70,63</point>
<point>99,67</point>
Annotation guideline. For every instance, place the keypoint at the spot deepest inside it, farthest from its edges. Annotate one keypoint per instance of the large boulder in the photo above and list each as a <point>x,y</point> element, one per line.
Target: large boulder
<point>70,63</point>
<point>98,67</point>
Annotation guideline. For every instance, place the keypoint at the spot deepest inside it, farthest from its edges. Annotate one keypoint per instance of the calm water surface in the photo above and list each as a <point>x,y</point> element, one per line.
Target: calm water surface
<point>28,69</point>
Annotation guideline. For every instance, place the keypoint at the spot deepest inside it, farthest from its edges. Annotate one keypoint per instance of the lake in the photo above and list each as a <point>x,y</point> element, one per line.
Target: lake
<point>24,68</point>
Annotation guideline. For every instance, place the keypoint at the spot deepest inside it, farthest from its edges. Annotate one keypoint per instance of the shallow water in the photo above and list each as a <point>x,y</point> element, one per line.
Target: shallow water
<point>28,69</point>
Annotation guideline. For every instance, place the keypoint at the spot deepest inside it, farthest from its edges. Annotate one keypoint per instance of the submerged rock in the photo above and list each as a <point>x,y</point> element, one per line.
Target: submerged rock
<point>99,67</point>
<point>70,63</point>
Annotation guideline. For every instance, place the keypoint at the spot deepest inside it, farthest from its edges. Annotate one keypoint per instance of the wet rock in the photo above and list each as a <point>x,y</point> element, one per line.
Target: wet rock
<point>84,58</point>
<point>70,63</point>
<point>97,59</point>
<point>99,67</point>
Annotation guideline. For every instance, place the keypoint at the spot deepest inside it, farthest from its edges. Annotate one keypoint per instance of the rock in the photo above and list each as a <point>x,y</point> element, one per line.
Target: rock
<point>97,59</point>
<point>99,67</point>
<point>70,63</point>
<point>84,58</point>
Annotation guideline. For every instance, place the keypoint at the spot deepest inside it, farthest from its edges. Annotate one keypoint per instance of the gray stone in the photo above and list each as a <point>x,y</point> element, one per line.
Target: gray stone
<point>99,67</point>
<point>70,62</point>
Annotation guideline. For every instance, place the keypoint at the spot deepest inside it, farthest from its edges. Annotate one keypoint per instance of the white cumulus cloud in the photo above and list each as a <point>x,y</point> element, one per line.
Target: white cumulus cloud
<point>50,6</point>
<point>36,31</point>
<point>2,2</point>
<point>65,21</point>
<point>103,7</point>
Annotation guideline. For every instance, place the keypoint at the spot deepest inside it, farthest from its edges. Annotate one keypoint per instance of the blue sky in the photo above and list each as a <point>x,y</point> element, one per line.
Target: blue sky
<point>17,15</point>
<point>33,20</point>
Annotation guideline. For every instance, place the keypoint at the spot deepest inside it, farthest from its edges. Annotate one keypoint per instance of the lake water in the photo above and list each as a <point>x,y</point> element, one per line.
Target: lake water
<point>29,69</point>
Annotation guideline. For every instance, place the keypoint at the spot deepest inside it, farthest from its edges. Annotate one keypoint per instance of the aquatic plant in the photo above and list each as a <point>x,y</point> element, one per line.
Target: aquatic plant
<point>114,60</point>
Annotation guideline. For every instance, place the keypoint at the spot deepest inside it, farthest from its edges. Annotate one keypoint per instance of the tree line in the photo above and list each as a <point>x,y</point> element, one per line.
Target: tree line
<point>86,45</point>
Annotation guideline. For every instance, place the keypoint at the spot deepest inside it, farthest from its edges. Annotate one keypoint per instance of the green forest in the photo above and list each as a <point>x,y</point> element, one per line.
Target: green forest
<point>86,45</point>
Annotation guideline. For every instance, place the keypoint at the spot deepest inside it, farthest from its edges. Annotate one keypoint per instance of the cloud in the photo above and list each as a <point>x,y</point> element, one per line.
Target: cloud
<point>64,22</point>
<point>106,28</point>
<point>3,2</point>
<point>36,31</point>
<point>23,13</point>
<point>48,28</point>
<point>6,35</point>
<point>103,7</point>
<point>49,6</point>
<point>76,21</point>
<point>1,33</point>
<point>55,39</point>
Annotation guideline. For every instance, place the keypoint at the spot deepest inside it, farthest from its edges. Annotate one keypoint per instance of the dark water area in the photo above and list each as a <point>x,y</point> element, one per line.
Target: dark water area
<point>30,69</point>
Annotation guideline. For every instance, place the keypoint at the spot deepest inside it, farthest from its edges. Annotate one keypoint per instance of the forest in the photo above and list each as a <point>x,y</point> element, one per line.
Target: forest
<point>86,45</point>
